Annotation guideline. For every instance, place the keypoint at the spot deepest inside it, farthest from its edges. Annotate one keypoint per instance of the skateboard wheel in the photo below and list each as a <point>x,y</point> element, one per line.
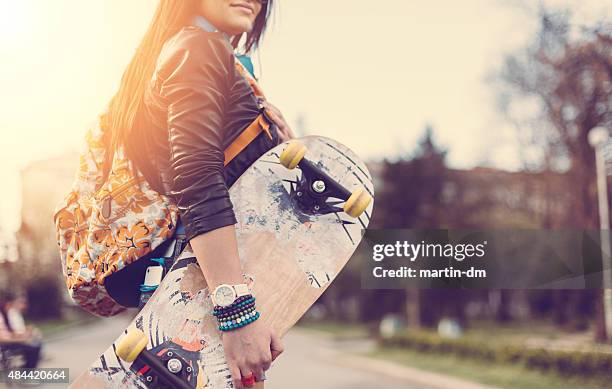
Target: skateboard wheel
<point>131,345</point>
<point>293,154</point>
<point>357,203</point>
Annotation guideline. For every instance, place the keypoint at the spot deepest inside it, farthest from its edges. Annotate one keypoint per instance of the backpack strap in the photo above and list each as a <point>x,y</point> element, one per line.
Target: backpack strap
<point>258,125</point>
<point>261,123</point>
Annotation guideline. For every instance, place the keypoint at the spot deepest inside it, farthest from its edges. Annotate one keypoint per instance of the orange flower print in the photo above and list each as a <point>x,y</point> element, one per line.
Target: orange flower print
<point>64,221</point>
<point>135,242</point>
<point>165,225</point>
<point>100,236</point>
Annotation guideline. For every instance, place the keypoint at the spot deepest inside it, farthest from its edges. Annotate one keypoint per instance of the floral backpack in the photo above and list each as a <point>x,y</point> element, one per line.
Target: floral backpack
<point>108,221</point>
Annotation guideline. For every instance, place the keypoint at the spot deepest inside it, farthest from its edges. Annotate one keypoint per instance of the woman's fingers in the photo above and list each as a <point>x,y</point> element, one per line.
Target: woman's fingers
<point>276,116</point>
<point>255,368</point>
<point>249,352</point>
<point>290,133</point>
<point>276,346</point>
<point>248,376</point>
<point>283,136</point>
<point>284,132</point>
<point>258,373</point>
<point>271,107</point>
<point>266,360</point>
<point>236,376</point>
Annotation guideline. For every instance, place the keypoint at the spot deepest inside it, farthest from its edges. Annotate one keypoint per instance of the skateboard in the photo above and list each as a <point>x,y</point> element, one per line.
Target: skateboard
<point>302,209</point>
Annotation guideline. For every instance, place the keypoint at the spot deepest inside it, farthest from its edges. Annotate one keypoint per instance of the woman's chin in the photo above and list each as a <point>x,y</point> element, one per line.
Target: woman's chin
<point>238,27</point>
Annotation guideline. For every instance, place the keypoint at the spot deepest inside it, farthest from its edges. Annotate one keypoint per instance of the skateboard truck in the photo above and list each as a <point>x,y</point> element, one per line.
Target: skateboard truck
<point>162,370</point>
<point>315,186</point>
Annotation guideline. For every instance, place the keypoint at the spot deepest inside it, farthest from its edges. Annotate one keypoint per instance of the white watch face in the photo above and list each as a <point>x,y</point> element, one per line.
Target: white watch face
<point>224,295</point>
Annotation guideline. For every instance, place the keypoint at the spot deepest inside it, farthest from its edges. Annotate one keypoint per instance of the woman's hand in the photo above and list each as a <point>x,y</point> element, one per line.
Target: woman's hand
<point>284,130</point>
<point>250,350</point>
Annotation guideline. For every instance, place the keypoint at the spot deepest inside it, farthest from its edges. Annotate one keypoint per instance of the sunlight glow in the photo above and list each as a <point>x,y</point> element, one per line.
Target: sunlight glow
<point>13,16</point>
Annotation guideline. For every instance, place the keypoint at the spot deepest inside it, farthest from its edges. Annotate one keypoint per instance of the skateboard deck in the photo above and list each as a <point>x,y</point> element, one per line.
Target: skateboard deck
<point>290,250</point>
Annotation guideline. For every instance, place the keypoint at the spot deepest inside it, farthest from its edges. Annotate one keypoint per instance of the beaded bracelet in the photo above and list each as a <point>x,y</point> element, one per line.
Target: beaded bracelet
<point>236,305</point>
<point>239,314</point>
<point>241,321</point>
<point>233,315</point>
<point>220,315</point>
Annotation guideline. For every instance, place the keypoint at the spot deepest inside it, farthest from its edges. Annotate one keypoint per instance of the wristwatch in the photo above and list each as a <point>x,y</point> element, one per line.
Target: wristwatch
<point>224,295</point>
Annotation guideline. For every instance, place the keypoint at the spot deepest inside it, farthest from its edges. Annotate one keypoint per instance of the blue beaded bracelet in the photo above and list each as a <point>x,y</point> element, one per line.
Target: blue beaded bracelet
<point>234,306</point>
<point>234,315</point>
<point>239,322</point>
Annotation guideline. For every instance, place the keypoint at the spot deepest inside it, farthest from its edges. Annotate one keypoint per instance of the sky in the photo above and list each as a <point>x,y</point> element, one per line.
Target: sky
<point>370,74</point>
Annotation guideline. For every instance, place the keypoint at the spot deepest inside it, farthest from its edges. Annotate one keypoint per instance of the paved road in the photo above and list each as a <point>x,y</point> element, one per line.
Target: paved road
<point>310,361</point>
<point>77,348</point>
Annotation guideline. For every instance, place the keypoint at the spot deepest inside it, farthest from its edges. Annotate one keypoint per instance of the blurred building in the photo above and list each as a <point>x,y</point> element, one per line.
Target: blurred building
<point>376,171</point>
<point>484,197</point>
<point>44,183</point>
<point>490,197</point>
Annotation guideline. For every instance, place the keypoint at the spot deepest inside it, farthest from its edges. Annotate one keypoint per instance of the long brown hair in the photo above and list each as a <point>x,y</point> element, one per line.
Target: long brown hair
<point>124,115</point>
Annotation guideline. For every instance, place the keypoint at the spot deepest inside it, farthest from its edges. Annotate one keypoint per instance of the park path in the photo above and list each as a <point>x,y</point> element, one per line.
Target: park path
<point>311,360</point>
<point>314,361</point>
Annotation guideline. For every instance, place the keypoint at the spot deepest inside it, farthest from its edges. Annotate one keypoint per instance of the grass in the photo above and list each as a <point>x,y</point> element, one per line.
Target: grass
<point>535,333</point>
<point>338,330</point>
<point>498,375</point>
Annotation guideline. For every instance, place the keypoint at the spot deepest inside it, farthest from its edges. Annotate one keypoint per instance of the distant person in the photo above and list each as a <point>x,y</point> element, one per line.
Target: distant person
<point>14,333</point>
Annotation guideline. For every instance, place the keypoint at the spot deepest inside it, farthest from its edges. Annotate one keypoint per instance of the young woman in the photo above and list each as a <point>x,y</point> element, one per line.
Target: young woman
<point>181,102</point>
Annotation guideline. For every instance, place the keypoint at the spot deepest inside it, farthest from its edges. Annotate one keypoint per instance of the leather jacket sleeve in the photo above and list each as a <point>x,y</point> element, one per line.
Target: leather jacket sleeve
<point>194,75</point>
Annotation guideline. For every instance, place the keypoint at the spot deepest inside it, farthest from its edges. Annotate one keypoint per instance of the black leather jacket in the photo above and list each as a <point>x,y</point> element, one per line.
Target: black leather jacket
<point>197,104</point>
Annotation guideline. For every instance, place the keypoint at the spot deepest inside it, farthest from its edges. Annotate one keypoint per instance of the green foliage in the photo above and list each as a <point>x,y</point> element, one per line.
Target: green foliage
<point>44,298</point>
<point>578,363</point>
<point>489,373</point>
<point>411,190</point>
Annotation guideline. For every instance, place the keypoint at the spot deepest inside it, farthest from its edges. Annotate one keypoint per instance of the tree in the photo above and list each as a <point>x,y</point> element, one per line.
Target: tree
<point>567,73</point>
<point>570,79</point>
<point>410,198</point>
